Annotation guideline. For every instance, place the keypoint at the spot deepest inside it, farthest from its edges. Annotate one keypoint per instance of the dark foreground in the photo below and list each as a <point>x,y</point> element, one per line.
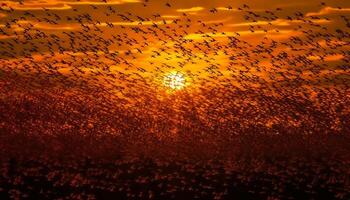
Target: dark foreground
<point>75,147</point>
<point>147,179</point>
<point>317,175</point>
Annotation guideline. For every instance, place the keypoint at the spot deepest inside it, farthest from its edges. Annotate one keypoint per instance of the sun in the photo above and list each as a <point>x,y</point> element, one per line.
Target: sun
<point>175,80</point>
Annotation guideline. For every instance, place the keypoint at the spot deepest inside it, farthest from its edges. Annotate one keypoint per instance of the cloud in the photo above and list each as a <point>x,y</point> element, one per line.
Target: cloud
<point>328,10</point>
<point>170,16</point>
<point>53,27</point>
<point>332,42</point>
<point>137,23</point>
<point>280,34</point>
<point>99,2</point>
<point>19,26</point>
<point>278,22</point>
<point>227,9</point>
<point>36,6</point>
<point>328,58</point>
<point>193,9</point>
<point>2,37</point>
<point>58,4</point>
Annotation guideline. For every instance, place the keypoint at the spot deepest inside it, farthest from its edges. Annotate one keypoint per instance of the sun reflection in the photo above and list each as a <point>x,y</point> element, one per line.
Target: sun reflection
<point>175,80</point>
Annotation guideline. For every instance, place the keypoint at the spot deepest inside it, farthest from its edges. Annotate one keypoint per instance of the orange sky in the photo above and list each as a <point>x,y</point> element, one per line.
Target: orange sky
<point>151,38</point>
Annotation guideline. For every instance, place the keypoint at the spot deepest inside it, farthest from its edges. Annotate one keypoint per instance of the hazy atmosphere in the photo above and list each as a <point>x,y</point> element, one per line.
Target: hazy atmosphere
<point>174,99</point>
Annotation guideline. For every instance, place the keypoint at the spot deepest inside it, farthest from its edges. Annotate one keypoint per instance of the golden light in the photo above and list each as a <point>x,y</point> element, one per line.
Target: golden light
<point>175,80</point>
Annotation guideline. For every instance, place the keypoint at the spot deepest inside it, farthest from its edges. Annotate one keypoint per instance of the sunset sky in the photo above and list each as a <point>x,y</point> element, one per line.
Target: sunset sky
<point>150,39</point>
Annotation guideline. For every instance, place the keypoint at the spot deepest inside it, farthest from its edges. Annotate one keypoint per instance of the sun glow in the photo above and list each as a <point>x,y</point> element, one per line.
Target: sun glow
<point>175,80</point>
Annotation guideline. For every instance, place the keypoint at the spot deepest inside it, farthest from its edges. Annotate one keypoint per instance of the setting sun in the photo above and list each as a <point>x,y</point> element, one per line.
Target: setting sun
<point>175,80</point>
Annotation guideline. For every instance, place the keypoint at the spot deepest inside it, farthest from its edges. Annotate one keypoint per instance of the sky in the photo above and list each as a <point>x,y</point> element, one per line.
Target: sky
<point>142,41</point>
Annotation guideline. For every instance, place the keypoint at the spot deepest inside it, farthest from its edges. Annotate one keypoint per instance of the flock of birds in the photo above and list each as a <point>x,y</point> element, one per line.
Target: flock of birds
<point>74,82</point>
<point>124,62</point>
